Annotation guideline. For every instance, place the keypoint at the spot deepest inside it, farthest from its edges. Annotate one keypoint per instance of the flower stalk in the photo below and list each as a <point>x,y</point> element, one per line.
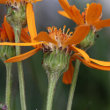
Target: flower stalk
<point>8,85</point>
<point>16,17</point>
<point>73,85</point>
<point>17,32</point>
<point>55,63</point>
<point>52,81</point>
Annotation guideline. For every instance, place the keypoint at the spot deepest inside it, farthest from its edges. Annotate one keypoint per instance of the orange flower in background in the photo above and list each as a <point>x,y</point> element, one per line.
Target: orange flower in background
<point>91,16</point>
<point>7,34</point>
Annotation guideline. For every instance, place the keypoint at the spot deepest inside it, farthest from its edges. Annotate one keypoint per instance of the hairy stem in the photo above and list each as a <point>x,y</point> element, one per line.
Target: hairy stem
<point>17,32</point>
<point>52,81</point>
<point>8,85</point>
<point>73,85</point>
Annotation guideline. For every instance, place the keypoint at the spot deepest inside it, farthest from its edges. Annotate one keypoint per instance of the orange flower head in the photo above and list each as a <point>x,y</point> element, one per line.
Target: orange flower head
<point>58,36</point>
<point>91,16</point>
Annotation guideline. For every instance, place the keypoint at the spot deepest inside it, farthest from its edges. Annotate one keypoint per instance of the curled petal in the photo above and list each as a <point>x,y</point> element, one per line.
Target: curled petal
<point>80,33</point>
<point>93,13</point>
<point>80,52</point>
<point>93,65</point>
<point>22,56</point>
<point>102,63</point>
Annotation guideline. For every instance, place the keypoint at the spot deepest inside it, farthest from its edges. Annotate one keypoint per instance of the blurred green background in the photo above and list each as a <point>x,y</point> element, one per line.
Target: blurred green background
<point>93,86</point>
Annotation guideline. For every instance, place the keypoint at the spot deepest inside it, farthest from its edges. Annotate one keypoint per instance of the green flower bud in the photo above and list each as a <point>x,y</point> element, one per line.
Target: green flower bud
<point>17,16</point>
<point>88,41</point>
<point>7,52</point>
<point>56,62</point>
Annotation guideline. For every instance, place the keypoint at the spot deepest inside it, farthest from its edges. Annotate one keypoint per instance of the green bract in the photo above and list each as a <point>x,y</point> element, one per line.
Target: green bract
<point>17,16</point>
<point>88,41</point>
<point>56,62</point>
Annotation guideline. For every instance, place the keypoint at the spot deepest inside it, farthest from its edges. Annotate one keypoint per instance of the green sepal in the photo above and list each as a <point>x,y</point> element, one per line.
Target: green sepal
<point>56,62</point>
<point>88,41</point>
<point>17,16</point>
<point>7,52</point>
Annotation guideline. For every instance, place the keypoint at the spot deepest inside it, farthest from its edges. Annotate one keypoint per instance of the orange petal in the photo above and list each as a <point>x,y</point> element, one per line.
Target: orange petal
<point>33,1</point>
<point>44,36</point>
<point>31,21</point>
<point>24,36</point>
<point>102,23</point>
<point>93,13</point>
<point>9,30</point>
<point>3,35</point>
<point>67,8</point>
<point>68,75</point>
<point>21,44</point>
<point>81,53</point>
<point>3,1</point>
<point>26,29</point>
<point>65,5</point>
<point>63,13</point>
<point>80,33</point>
<point>78,19</point>
<point>22,56</point>
<point>92,65</point>
<point>72,11</point>
<point>103,63</point>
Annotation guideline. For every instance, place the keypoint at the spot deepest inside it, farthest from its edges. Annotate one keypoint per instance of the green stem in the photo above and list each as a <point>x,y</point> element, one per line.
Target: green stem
<point>17,32</point>
<point>73,85</point>
<point>52,81</point>
<point>8,85</point>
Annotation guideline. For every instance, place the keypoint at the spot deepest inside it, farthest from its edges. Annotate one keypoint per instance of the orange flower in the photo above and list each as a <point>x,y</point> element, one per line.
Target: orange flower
<point>7,33</point>
<point>58,39</point>
<point>91,16</point>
